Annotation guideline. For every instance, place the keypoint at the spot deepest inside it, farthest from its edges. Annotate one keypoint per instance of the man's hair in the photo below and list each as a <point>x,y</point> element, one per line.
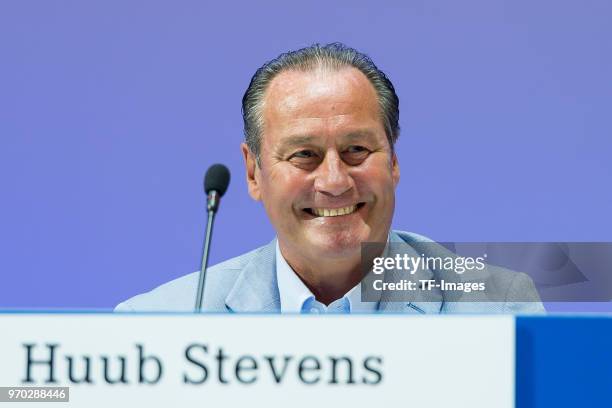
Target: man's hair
<point>332,56</point>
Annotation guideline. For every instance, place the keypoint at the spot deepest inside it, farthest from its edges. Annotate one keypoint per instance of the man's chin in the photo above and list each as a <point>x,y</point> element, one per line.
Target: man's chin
<point>337,245</point>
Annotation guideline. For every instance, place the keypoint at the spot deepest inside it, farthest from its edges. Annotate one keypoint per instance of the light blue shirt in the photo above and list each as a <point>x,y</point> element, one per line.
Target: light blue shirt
<point>295,297</point>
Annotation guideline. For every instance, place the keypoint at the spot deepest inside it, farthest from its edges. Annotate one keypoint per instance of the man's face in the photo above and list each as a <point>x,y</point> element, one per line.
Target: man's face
<point>327,177</point>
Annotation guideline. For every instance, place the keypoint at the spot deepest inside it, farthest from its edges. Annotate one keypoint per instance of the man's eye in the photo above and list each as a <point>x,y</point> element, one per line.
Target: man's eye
<point>305,159</point>
<point>303,154</point>
<point>356,149</point>
<point>355,155</point>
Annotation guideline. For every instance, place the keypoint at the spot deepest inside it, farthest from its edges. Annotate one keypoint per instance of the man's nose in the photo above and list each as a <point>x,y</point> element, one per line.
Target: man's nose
<point>332,176</point>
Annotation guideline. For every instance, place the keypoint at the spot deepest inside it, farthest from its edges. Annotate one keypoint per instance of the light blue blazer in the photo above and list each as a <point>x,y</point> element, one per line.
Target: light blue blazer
<point>248,283</point>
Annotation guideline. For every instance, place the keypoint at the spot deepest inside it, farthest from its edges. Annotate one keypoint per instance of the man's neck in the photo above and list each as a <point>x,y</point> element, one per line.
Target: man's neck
<point>328,279</point>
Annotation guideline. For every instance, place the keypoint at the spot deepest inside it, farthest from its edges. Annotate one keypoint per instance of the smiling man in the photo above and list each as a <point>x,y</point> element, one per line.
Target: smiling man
<point>320,126</point>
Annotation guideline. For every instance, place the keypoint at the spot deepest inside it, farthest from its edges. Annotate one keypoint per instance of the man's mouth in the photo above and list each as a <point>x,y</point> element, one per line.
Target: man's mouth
<point>333,212</point>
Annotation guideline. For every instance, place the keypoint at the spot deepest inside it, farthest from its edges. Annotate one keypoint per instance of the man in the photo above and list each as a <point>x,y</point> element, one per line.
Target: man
<point>320,126</point>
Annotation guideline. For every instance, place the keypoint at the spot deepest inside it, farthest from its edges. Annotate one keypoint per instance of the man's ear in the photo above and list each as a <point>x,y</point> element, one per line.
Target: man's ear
<point>395,170</point>
<point>252,172</point>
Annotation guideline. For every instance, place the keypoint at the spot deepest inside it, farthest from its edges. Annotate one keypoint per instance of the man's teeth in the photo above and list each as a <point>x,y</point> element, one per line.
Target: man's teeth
<point>333,212</point>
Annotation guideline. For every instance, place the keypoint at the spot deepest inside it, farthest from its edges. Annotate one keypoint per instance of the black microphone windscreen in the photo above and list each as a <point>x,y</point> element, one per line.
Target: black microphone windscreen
<point>217,178</point>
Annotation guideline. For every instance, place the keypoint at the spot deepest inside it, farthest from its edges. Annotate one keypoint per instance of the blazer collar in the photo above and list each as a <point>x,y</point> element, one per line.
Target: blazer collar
<point>418,302</point>
<point>256,288</point>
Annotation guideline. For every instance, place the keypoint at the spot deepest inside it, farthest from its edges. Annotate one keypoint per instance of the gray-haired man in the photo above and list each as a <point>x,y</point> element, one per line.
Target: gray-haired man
<point>320,126</point>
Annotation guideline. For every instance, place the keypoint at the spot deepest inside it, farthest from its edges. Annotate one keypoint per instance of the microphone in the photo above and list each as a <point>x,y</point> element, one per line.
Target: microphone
<point>215,185</point>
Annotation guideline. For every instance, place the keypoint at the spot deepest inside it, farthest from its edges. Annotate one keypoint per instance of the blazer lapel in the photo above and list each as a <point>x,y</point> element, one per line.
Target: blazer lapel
<point>420,301</point>
<point>256,288</point>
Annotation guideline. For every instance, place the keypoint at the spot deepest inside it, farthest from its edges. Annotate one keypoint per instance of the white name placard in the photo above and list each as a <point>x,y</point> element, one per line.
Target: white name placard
<point>185,360</point>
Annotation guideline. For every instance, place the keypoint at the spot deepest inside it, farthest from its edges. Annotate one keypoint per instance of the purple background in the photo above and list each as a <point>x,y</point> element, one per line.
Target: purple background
<point>110,112</point>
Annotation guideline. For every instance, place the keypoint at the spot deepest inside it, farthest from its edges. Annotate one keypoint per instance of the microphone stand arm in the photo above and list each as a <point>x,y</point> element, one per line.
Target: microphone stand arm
<point>212,206</point>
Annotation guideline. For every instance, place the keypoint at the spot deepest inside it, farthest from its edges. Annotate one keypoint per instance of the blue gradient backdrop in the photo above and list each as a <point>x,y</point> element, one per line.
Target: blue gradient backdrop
<point>110,112</point>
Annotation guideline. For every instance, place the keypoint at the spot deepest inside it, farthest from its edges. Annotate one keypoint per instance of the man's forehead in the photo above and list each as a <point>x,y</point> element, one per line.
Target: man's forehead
<point>292,91</point>
<point>307,107</point>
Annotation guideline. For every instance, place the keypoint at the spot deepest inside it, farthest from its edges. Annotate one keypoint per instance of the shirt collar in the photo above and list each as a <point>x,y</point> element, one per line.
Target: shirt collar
<point>294,294</point>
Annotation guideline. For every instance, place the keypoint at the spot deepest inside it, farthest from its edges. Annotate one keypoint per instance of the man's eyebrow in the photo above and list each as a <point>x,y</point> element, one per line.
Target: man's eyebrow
<point>294,141</point>
<point>301,140</point>
<point>359,135</point>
